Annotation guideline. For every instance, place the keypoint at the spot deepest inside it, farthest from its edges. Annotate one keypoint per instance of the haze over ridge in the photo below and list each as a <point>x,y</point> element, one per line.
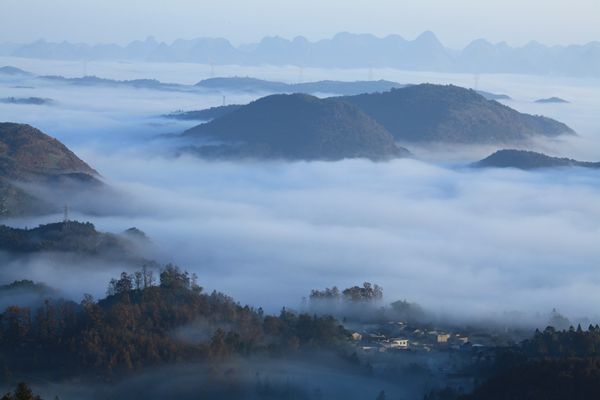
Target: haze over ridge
<point>344,50</point>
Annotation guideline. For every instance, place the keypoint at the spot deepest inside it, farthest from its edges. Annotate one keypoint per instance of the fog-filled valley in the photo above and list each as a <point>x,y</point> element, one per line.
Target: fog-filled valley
<point>307,223</point>
<point>500,250</point>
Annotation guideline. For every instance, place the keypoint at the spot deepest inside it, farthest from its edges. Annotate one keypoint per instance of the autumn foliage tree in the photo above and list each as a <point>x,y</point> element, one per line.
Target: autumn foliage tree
<point>136,325</point>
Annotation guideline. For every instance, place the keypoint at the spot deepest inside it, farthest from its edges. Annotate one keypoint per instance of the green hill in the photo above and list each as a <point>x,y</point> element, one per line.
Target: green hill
<point>297,127</point>
<point>451,114</point>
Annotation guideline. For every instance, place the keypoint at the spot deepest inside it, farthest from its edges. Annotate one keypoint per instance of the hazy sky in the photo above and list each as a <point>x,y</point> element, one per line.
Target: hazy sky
<point>456,22</point>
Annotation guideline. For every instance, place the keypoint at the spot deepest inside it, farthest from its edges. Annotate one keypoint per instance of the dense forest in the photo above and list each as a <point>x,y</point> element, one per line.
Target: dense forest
<point>552,365</point>
<point>70,236</point>
<point>152,318</point>
<point>136,326</point>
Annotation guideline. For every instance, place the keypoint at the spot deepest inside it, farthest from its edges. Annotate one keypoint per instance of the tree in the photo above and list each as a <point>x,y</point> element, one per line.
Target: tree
<point>18,321</point>
<point>333,293</point>
<point>124,284</point>
<point>194,284</point>
<point>22,392</point>
<point>172,277</point>
<point>87,301</point>
<point>111,290</point>
<point>147,276</point>
<point>367,292</point>
<point>139,280</point>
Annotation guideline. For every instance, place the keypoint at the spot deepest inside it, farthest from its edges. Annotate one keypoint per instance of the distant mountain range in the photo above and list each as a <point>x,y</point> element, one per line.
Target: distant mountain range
<point>30,157</point>
<point>259,85</point>
<point>344,50</point>
<point>232,84</point>
<point>96,81</point>
<point>333,87</point>
<point>295,127</point>
<point>522,159</point>
<point>304,127</point>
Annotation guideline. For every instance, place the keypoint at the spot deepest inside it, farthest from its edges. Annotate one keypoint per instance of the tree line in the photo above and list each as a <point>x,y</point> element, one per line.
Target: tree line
<point>134,326</point>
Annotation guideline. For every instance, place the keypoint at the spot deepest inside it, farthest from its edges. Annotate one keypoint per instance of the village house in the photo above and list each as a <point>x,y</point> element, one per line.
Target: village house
<point>442,337</point>
<point>399,343</point>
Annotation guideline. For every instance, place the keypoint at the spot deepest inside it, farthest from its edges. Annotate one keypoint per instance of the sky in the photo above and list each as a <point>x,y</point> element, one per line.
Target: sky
<point>456,22</point>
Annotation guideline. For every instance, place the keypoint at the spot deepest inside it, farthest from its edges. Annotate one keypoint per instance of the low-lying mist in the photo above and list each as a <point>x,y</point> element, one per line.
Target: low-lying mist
<point>457,241</point>
<point>319,376</point>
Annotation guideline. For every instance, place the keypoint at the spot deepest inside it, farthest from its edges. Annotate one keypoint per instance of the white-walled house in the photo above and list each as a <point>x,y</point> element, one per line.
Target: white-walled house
<point>399,343</point>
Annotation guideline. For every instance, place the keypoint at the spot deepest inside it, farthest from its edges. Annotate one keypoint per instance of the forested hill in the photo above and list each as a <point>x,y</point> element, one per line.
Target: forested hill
<point>530,160</point>
<point>296,127</point>
<point>451,114</point>
<point>26,152</point>
<point>413,114</point>
<point>29,156</point>
<point>73,237</point>
<point>552,365</point>
<point>148,319</point>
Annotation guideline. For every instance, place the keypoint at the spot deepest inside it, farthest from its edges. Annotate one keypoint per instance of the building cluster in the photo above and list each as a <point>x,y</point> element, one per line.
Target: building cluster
<point>399,336</point>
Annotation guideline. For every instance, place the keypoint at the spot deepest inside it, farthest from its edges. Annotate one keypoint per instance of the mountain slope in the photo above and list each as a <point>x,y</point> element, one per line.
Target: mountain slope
<point>300,127</point>
<point>26,151</point>
<point>530,160</point>
<point>28,156</point>
<point>436,113</point>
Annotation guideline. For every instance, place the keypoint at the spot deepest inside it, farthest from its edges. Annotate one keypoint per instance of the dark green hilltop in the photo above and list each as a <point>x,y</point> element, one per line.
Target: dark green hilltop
<point>297,127</point>
<point>523,159</point>
<point>300,126</point>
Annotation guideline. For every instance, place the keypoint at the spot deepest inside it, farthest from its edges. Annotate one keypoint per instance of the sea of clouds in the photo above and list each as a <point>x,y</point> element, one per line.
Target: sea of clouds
<point>460,241</point>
